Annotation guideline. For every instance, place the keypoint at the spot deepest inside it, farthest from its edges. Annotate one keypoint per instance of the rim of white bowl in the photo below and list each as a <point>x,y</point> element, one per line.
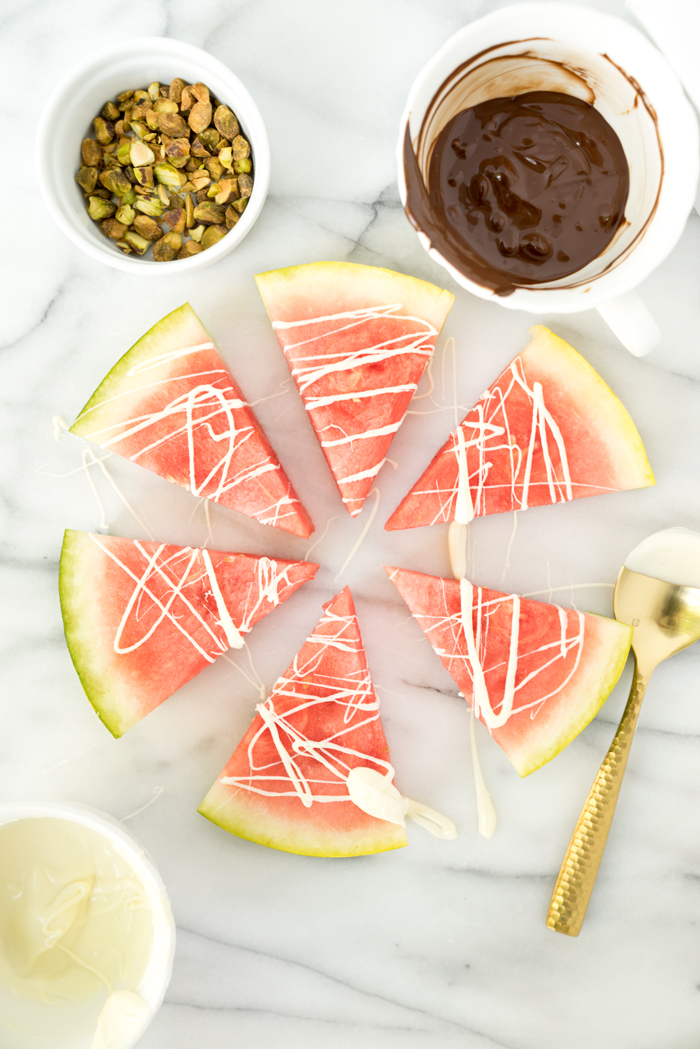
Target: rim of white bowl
<point>156,979</point>
<point>234,94</point>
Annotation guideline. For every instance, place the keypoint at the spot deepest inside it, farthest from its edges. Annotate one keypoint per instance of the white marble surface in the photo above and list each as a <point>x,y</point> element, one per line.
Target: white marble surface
<point>441,944</point>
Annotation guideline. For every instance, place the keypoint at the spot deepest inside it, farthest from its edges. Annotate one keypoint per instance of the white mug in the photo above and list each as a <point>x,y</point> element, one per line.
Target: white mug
<point>577,51</point>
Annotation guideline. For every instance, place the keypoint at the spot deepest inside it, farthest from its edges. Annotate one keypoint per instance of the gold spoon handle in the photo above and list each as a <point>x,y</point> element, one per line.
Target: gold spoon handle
<point>577,876</point>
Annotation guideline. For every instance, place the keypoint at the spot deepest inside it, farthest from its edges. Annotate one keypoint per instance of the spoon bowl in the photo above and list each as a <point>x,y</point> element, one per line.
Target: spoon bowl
<point>665,618</point>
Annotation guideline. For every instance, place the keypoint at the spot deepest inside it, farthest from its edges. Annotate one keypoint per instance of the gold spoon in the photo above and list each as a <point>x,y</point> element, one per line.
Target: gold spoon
<point>665,618</point>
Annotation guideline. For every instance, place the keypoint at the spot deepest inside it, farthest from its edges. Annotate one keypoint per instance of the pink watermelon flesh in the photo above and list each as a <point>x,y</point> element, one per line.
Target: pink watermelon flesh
<point>562,664</point>
<point>143,618</point>
<point>321,720</point>
<point>357,340</point>
<point>171,405</point>
<point>547,431</point>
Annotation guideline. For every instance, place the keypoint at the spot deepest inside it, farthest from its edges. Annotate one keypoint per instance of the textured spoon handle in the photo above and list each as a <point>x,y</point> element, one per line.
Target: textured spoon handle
<point>577,876</point>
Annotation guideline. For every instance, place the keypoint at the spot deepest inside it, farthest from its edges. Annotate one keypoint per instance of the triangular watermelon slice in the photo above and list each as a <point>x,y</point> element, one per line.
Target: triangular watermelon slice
<point>548,430</point>
<point>171,404</point>
<point>535,674</point>
<point>356,339</point>
<point>143,618</point>
<point>286,784</point>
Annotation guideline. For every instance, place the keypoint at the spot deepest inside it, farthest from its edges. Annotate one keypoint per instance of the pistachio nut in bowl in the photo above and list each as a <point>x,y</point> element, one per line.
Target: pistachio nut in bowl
<point>121,192</point>
<point>87,936</point>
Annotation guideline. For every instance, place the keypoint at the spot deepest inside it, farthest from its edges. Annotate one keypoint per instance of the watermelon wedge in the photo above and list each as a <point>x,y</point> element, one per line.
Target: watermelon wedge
<point>286,784</point>
<point>171,405</point>
<point>356,339</point>
<point>548,430</point>
<point>143,618</point>
<point>534,673</point>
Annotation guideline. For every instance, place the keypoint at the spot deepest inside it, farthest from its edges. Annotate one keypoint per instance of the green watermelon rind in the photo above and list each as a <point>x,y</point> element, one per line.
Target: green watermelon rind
<point>82,634</point>
<point>355,285</point>
<point>595,679</point>
<point>165,334</point>
<point>302,839</point>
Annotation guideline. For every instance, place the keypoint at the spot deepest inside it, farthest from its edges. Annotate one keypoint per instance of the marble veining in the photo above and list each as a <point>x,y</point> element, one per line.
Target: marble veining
<point>442,945</point>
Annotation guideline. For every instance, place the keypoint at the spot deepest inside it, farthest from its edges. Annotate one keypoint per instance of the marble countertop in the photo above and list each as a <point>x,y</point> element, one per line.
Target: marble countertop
<point>443,944</point>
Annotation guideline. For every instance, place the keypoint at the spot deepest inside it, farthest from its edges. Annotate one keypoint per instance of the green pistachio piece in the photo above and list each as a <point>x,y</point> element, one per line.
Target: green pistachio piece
<point>140,129</point>
<point>225,122</point>
<point>130,197</point>
<point>124,155</point>
<point>200,195</point>
<point>242,167</point>
<point>147,227</point>
<point>144,176</point>
<point>110,111</point>
<point>208,213</point>
<point>153,120</point>
<point>125,214</point>
<point>99,209</point>
<point>189,248</point>
<point>141,96</point>
<point>226,157</point>
<point>149,206</point>
<point>168,175</point>
<point>90,152</point>
<point>174,125</point>
<point>197,233</point>
<point>232,217</point>
<point>240,205</point>
<point>175,218</point>
<point>198,148</point>
<point>140,154</point>
<point>87,179</point>
<point>212,235</point>
<point>178,162</point>
<point>214,167</point>
<point>245,185</point>
<point>211,138</point>
<point>164,195</point>
<point>212,191</point>
<point>135,241</point>
<point>241,148</point>
<point>177,147</point>
<point>228,191</point>
<point>115,181</point>
<point>187,100</point>
<point>175,90</point>
<point>154,90</point>
<point>163,251</point>
<point>124,98</point>
<point>104,130</point>
<point>126,248</point>
<point>200,116</point>
<point>119,127</point>
<point>113,228</point>
<point>164,105</point>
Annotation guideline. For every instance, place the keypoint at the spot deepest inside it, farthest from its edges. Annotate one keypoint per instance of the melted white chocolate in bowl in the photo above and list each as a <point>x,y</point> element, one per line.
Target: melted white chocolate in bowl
<point>76,932</point>
<point>673,556</point>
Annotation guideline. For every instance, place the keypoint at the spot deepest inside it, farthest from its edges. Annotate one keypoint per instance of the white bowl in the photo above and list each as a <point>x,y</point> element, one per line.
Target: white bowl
<point>159,969</point>
<point>67,120</point>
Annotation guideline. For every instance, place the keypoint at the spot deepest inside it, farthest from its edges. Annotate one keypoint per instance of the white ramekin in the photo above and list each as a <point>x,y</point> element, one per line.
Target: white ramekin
<point>67,120</point>
<point>159,970</point>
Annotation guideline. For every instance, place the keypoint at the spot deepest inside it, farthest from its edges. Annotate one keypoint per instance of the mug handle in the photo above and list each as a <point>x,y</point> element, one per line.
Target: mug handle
<point>630,320</point>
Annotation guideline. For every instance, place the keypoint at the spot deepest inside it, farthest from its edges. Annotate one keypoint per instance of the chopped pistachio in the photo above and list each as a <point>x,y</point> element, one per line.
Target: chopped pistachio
<point>200,116</point>
<point>232,218</point>
<point>242,167</point>
<point>208,213</point>
<point>124,97</point>
<point>110,111</point>
<point>178,147</point>
<point>245,185</point>
<point>225,122</point>
<point>201,93</point>
<point>211,138</point>
<point>113,228</point>
<point>192,164</point>
<point>102,192</point>
<point>214,167</point>
<point>240,204</point>
<point>212,235</point>
<point>226,157</point>
<point>175,90</point>
<point>174,125</point>
<point>168,175</point>
<point>91,152</point>
<point>140,154</point>
<point>212,190</point>
<point>154,90</point>
<point>178,162</point>
<point>189,212</point>
<point>125,214</point>
<point>124,153</point>
<point>104,130</point>
<point>115,181</point>
<point>119,127</point>
<point>147,227</point>
<point>87,179</point>
<point>241,148</point>
<point>197,233</point>
<point>190,247</point>
<point>140,95</point>
<point>200,195</point>
<point>164,105</point>
<point>144,175</point>
<point>164,195</point>
<point>199,149</point>
<point>126,248</point>
<point>228,191</point>
<point>175,200</point>
<point>187,188</point>
<point>139,128</point>
<point>175,219</point>
<point>98,208</point>
<point>130,197</point>
<point>200,179</point>
<point>110,160</point>
<point>164,251</point>
<point>149,206</point>
<point>139,244</point>
<point>188,99</point>
<point>153,120</point>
